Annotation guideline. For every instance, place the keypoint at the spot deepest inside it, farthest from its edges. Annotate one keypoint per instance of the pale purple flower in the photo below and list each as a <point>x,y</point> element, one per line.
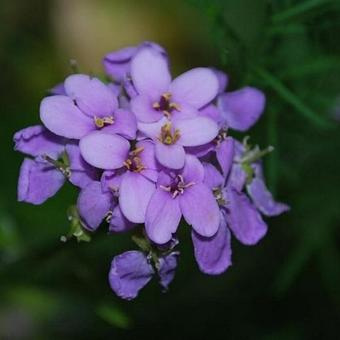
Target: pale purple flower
<point>138,169</point>
<point>158,96</point>
<point>181,193</point>
<point>132,270</point>
<point>117,63</point>
<point>42,177</point>
<point>171,137</point>
<point>242,108</point>
<point>88,106</point>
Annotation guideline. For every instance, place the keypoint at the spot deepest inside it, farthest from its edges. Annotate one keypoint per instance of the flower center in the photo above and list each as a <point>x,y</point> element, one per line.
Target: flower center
<point>100,122</point>
<point>134,163</point>
<point>177,186</point>
<point>222,135</point>
<point>165,105</point>
<point>219,196</point>
<point>168,136</point>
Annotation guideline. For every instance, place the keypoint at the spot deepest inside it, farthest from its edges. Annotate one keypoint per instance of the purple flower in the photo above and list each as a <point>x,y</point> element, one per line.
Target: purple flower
<point>88,106</point>
<point>177,194</point>
<point>117,63</point>
<point>132,270</point>
<point>159,96</point>
<point>242,108</point>
<point>138,169</point>
<point>171,137</point>
<point>42,177</point>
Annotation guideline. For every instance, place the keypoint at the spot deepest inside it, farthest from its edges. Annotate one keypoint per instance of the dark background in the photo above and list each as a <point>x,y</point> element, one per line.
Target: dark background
<point>286,287</point>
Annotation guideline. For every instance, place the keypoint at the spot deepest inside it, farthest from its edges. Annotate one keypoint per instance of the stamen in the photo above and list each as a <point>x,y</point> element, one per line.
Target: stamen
<point>167,137</point>
<point>134,163</point>
<point>101,122</point>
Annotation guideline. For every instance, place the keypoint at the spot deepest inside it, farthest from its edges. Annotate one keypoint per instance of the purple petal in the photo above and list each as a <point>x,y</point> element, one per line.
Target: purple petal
<point>118,222</point>
<point>36,141</point>
<point>125,124</point>
<point>241,109</point>
<point>134,196</point>
<point>211,111</point>
<point>162,216</point>
<point>103,150</point>
<point>196,87</point>
<point>111,180</point>
<point>201,150</point>
<point>152,130</point>
<point>170,156</point>
<point>222,80</point>
<point>150,73</point>
<point>91,95</point>
<point>167,268</point>
<point>212,177</point>
<point>117,63</point>
<point>148,159</point>
<point>213,254</point>
<point>141,106</point>
<point>129,273</point>
<point>62,117</point>
<point>225,155</point>
<point>196,131</point>
<point>58,89</point>
<point>237,177</point>
<point>264,200</point>
<point>38,181</point>
<point>93,205</point>
<point>200,209</point>
<point>243,219</point>
<point>193,170</point>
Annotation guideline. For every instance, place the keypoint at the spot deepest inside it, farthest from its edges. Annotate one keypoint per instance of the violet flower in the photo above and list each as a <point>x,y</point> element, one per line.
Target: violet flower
<point>42,177</point>
<point>132,270</point>
<point>242,108</point>
<point>88,106</point>
<point>177,194</point>
<point>117,63</point>
<point>138,169</point>
<point>171,137</point>
<point>159,96</point>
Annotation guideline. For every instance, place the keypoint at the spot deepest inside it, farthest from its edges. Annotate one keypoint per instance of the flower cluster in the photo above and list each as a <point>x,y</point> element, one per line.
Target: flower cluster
<point>146,150</point>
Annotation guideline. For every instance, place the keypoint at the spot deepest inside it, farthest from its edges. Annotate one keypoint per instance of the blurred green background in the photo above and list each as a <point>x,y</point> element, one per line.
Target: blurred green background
<point>286,287</point>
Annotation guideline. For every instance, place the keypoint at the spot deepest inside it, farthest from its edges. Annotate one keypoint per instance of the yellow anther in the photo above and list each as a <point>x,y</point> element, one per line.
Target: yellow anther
<point>101,122</point>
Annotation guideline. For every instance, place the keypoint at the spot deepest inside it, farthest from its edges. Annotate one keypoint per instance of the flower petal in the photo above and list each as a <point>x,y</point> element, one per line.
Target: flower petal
<point>103,150</point>
<point>82,173</point>
<point>117,63</point>
<point>212,177</point>
<point>93,205</point>
<point>141,106</point>
<point>241,109</point>
<point>150,73</point>
<point>196,87</point>
<point>222,80</point>
<point>225,155</point>
<point>129,273</point>
<point>167,268</point>
<point>125,124</point>
<point>62,117</point>
<point>193,170</point>
<point>213,254</point>
<point>170,156</point>
<point>38,181</point>
<point>243,219</point>
<point>263,199</point>
<point>134,196</point>
<point>92,96</point>
<point>162,216</point>
<point>200,209</point>
<point>36,141</point>
<point>196,131</point>
<point>152,130</point>
<point>118,222</point>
